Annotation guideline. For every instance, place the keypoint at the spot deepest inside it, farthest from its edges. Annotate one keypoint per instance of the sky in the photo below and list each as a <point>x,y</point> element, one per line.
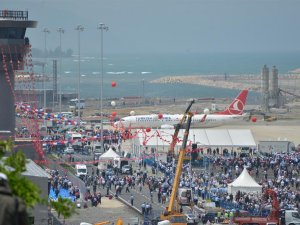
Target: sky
<point>166,26</point>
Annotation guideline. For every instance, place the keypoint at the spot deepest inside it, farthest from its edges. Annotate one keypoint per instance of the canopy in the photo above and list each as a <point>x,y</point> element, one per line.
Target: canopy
<point>244,183</point>
<point>203,137</point>
<point>109,154</point>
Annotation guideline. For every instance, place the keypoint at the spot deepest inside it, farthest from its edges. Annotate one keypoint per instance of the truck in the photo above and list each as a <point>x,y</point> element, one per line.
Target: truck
<point>97,150</point>
<point>290,217</point>
<point>74,138</point>
<point>276,216</point>
<point>119,163</point>
<point>276,146</point>
<point>81,170</point>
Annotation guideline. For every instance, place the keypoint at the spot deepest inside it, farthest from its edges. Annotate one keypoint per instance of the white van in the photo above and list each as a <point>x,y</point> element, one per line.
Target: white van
<point>81,170</point>
<point>185,196</point>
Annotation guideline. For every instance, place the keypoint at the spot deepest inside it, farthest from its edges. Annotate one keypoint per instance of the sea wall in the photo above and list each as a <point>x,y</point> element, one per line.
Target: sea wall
<point>238,82</point>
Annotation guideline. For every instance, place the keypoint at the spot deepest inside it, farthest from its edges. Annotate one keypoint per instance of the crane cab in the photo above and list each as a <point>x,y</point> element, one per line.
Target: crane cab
<point>185,196</point>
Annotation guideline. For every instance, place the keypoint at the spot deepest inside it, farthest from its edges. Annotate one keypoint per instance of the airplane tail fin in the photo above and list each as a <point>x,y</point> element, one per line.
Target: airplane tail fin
<point>237,106</point>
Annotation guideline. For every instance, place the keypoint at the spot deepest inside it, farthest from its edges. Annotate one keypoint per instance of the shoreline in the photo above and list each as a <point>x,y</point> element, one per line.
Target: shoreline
<point>251,82</point>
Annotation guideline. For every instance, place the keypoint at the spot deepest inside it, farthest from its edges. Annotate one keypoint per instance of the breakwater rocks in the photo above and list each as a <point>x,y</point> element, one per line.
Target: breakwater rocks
<point>238,82</point>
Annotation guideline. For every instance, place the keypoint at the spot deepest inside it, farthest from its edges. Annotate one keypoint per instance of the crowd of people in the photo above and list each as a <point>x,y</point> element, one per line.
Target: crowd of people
<point>277,171</point>
<point>61,186</point>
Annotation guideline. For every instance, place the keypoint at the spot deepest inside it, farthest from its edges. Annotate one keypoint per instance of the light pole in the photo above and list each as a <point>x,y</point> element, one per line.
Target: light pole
<point>79,28</point>
<point>46,31</point>
<point>102,27</point>
<point>61,31</point>
<point>143,86</point>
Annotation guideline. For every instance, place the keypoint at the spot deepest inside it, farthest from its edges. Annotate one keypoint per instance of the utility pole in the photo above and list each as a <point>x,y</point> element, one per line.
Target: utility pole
<point>79,28</point>
<point>61,31</point>
<point>46,31</point>
<point>102,27</point>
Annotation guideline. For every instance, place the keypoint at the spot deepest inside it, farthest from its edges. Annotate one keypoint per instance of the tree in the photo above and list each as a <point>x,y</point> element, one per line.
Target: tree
<point>64,207</point>
<point>13,166</point>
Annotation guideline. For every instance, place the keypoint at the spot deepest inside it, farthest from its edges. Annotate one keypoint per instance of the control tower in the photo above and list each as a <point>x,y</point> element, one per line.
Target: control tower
<point>13,45</point>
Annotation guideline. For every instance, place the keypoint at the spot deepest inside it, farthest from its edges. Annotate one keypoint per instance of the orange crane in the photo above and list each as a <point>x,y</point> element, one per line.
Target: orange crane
<point>173,211</point>
<point>171,153</point>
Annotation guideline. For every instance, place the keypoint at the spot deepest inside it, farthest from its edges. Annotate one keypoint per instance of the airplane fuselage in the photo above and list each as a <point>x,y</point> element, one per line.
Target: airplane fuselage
<point>233,113</point>
<point>167,121</point>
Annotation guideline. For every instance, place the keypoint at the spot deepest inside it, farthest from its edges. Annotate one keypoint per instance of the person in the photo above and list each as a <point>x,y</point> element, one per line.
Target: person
<point>131,200</point>
<point>12,209</point>
<point>147,208</point>
<point>231,216</point>
<point>159,197</point>
<point>99,198</point>
<point>151,196</point>
<point>219,214</point>
<point>143,208</point>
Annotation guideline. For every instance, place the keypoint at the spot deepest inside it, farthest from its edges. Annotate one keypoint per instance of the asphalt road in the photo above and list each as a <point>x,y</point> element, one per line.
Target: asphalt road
<point>140,197</point>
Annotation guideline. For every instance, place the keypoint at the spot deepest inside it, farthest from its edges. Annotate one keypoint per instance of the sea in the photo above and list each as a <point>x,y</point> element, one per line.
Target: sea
<point>133,73</point>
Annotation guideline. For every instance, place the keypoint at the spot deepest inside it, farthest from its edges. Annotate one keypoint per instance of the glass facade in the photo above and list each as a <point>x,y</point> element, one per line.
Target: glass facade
<point>12,32</point>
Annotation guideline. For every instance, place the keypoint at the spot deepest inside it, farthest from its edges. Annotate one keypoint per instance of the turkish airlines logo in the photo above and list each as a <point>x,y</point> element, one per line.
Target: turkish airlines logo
<point>236,108</point>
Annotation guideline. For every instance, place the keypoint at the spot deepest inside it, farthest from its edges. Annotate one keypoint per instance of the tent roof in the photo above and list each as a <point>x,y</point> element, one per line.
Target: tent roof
<point>110,154</point>
<point>244,180</point>
<point>204,137</point>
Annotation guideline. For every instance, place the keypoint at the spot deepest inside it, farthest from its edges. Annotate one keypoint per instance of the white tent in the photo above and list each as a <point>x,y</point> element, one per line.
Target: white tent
<point>107,158</point>
<point>244,183</point>
<point>111,154</point>
<point>204,137</point>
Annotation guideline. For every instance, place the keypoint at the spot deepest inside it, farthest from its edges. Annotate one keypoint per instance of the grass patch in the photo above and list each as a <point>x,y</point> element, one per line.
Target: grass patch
<point>68,167</point>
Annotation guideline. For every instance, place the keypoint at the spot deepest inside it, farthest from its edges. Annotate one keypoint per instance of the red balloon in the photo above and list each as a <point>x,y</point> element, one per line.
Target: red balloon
<point>113,84</point>
<point>254,119</point>
<point>148,129</point>
<point>114,114</point>
<point>160,116</point>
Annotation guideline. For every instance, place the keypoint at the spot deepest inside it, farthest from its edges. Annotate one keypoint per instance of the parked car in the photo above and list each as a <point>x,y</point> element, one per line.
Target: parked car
<point>192,218</point>
<point>86,150</point>
<point>126,169</point>
<point>109,172</point>
<point>69,150</point>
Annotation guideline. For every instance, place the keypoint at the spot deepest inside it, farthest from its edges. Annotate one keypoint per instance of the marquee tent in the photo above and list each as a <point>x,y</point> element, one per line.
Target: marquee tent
<point>206,138</point>
<point>110,154</point>
<point>203,137</point>
<point>107,159</point>
<point>244,183</point>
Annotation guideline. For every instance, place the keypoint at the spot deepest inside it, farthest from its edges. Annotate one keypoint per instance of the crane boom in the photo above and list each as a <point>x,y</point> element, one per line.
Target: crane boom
<point>177,128</point>
<point>179,164</point>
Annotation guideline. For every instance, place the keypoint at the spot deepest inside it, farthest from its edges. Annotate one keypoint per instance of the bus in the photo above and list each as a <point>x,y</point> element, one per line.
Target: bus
<point>74,102</point>
<point>74,138</point>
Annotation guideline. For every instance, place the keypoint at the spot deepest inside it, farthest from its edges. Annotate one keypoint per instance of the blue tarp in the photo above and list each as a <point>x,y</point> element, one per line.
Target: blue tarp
<point>64,193</point>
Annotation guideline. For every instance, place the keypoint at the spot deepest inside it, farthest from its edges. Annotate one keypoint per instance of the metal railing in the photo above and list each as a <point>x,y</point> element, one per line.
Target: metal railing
<point>15,15</point>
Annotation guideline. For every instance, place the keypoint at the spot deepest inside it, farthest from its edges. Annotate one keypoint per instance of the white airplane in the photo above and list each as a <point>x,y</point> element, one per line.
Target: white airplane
<point>234,112</point>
